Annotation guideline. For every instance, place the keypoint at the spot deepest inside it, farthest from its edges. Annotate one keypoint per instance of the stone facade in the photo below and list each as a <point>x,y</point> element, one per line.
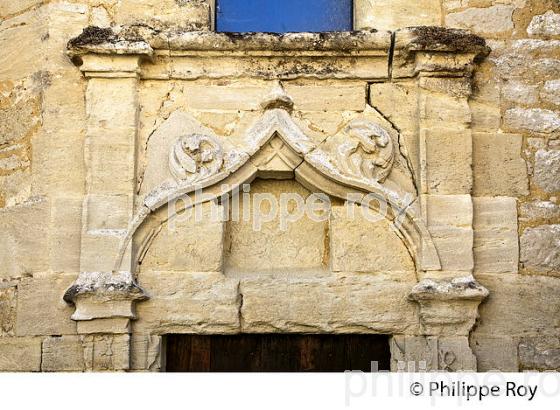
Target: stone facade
<point>113,113</point>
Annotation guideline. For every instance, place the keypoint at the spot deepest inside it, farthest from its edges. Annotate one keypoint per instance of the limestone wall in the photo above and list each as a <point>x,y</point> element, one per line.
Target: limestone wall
<point>492,189</point>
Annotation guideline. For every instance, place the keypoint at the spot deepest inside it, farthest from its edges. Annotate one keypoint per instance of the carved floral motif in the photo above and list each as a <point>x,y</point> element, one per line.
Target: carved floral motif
<point>195,157</point>
<point>367,153</point>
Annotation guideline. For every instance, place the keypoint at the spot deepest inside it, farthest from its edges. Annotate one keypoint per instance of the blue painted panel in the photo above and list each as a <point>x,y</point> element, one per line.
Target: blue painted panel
<point>283,16</point>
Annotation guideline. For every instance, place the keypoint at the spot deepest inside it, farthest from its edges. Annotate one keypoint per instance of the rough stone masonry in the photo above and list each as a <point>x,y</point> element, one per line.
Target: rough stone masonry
<point>113,110</point>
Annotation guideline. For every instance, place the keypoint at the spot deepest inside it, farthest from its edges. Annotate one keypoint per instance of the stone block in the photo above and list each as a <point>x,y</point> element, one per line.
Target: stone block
<point>547,24</point>
<point>326,303</point>
<point>394,14</point>
<point>146,353</point>
<point>259,239</point>
<point>520,93</point>
<point>539,353</point>
<point>489,21</point>
<point>450,224</point>
<point>518,304</point>
<point>455,354</point>
<point>108,211</point>
<point>8,303</point>
<point>188,303</point>
<point>546,175</point>
<point>28,29</point>
<point>498,167</point>
<point>327,96</point>
<point>485,117</point>
<point>20,354</point>
<point>63,354</point>
<point>496,246</point>
<point>539,212</point>
<point>527,59</point>
<point>227,95</point>
<point>24,245</point>
<point>41,310</point>
<point>495,353</point>
<point>10,8</point>
<point>100,249</point>
<point>65,231</point>
<point>540,250</point>
<point>115,325</point>
<point>106,352</point>
<point>551,92</point>
<point>449,161</point>
<point>191,242</point>
<point>364,241</point>
<point>532,120</point>
<point>414,353</point>
<point>440,110</point>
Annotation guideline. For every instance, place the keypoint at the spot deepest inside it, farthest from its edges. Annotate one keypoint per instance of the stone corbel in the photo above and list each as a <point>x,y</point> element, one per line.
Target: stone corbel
<point>448,307</point>
<point>104,301</point>
<point>436,51</point>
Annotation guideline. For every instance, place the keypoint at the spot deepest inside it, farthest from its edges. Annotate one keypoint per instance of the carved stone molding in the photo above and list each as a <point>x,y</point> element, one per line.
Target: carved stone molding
<point>448,307</point>
<point>104,295</point>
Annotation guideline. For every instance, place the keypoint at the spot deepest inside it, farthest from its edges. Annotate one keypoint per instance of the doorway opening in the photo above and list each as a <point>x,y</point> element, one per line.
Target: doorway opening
<point>276,353</point>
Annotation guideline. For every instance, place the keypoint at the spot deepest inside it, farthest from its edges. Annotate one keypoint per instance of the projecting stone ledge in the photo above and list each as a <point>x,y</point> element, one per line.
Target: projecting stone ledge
<point>344,55</point>
<point>448,307</point>
<point>104,295</point>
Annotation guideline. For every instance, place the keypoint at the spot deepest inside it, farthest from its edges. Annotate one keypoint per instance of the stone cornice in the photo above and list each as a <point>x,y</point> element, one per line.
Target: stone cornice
<point>365,55</point>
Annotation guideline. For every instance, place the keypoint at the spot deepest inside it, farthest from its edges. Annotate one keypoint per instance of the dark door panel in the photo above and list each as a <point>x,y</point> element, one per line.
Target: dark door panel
<point>276,353</point>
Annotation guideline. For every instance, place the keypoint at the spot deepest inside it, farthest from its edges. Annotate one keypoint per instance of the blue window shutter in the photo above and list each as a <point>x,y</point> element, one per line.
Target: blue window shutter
<point>283,16</point>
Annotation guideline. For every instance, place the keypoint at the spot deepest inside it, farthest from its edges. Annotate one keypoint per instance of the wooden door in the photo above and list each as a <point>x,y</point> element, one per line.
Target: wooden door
<point>276,353</point>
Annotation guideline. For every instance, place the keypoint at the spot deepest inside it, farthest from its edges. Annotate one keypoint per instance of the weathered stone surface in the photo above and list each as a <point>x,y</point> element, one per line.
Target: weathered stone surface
<point>8,303</point>
<point>450,223</point>
<point>527,59</point>
<point>420,353</point>
<point>495,353</point>
<point>331,96</point>
<point>539,353</point>
<point>146,353</point>
<point>539,211</point>
<point>520,93</point>
<point>491,20</point>
<point>188,303</point>
<point>495,235</point>
<point>106,352</point>
<point>540,249</point>
<point>363,241</point>
<point>259,241</point>
<point>63,354</point>
<point>449,157</point>
<point>20,354</point>
<point>393,14</point>
<point>41,310</point>
<point>191,242</point>
<point>547,24</point>
<point>24,239</point>
<point>498,166</point>
<point>518,304</point>
<point>551,92</point>
<point>329,303</point>
<point>535,120</point>
<point>546,175</point>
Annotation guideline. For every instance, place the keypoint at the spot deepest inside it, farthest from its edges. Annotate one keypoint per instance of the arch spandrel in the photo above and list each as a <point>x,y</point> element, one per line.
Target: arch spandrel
<point>361,161</point>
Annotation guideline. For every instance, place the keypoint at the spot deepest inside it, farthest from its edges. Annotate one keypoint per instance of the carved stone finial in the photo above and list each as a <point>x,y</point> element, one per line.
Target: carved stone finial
<point>278,98</point>
<point>195,157</point>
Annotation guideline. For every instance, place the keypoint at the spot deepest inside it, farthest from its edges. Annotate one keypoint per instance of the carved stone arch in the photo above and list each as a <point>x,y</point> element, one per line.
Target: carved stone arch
<point>277,148</point>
